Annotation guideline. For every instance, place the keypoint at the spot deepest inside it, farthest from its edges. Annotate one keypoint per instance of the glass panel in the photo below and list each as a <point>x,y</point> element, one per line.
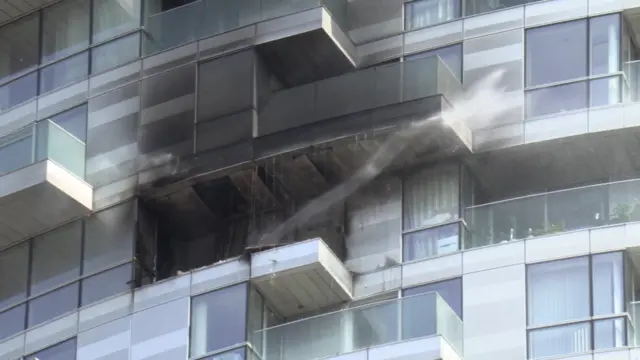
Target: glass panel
<point>568,44</point>
<point>556,99</point>
<point>109,237</point>
<point>604,91</point>
<point>64,72</point>
<point>16,150</point>
<point>608,287</point>
<point>362,327</point>
<point>218,319</point>
<point>224,15</point>
<point>431,197</point>
<point>419,324</point>
<point>19,48</point>
<point>14,273</point>
<point>13,321</point>
<point>74,121</point>
<point>115,53</point>
<point>449,290</point>
<point>431,242</point>
<point>58,145</point>
<point>423,13</point>
<point>56,257</point>
<point>610,333</point>
<point>162,34</point>
<point>65,29</point>
<point>107,284</point>
<point>558,291</point>
<point>561,340</point>
<point>53,304</point>
<point>604,38</point>
<point>114,17</point>
<point>62,351</point>
<point>237,354</point>
<point>576,209</point>
<point>450,55</point>
<point>18,91</point>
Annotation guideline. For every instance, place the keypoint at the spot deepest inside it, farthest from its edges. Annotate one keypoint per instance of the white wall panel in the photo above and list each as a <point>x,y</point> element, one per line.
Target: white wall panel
<point>494,308</point>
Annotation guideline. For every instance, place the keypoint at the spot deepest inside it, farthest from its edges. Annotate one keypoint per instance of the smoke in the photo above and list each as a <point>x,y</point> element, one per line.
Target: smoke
<point>478,106</point>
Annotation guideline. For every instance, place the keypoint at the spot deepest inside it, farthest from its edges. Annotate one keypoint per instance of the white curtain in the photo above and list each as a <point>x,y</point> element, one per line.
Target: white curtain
<point>199,321</point>
<point>568,339</point>
<point>431,242</point>
<point>429,12</point>
<point>608,288</point>
<point>558,291</point>
<point>431,197</point>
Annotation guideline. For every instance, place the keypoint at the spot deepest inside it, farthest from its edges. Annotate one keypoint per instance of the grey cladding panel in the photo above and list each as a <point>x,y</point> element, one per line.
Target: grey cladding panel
<point>112,135</point>
<point>226,85</point>
<point>225,130</point>
<point>165,339</point>
<point>167,122</point>
<point>110,341</point>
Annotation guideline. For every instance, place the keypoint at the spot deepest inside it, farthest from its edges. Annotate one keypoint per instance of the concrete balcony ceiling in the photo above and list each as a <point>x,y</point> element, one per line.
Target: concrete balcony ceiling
<point>12,9</point>
<point>38,197</point>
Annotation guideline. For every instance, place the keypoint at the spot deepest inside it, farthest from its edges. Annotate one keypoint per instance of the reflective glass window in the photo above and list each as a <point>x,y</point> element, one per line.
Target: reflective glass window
<point>65,29</point>
<point>218,319</point>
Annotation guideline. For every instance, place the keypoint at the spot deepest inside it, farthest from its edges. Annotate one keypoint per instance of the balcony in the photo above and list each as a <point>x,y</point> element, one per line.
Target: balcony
<point>41,181</point>
<point>372,99</point>
<point>300,40</point>
<point>387,322</point>
<point>553,212</point>
<point>301,277</point>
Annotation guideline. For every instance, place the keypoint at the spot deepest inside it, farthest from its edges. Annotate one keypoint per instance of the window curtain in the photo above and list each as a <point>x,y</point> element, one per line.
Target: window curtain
<point>558,291</point>
<point>429,12</point>
<point>608,290</point>
<point>431,197</point>
<point>431,242</point>
<point>574,338</point>
<point>199,328</point>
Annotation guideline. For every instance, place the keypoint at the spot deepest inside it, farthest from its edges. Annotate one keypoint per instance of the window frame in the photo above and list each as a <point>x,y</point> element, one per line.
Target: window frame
<point>591,319</point>
<point>588,78</point>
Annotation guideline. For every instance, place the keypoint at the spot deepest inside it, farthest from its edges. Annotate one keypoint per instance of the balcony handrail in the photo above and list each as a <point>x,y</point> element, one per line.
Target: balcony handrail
<point>550,192</point>
<point>359,307</point>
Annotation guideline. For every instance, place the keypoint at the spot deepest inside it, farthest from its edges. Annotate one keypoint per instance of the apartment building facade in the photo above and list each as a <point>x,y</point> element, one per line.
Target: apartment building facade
<point>218,179</point>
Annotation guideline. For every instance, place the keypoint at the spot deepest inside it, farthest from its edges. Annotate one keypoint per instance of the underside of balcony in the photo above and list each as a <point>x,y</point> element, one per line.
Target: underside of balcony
<point>305,47</point>
<point>38,197</point>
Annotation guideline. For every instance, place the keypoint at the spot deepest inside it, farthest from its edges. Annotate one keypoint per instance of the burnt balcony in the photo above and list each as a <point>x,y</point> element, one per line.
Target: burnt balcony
<point>41,181</point>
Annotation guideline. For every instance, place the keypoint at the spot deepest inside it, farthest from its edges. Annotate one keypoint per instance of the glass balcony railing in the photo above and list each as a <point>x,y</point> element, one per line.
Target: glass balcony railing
<point>42,141</point>
<point>362,327</point>
<point>358,91</point>
<point>553,212</point>
<point>204,18</point>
